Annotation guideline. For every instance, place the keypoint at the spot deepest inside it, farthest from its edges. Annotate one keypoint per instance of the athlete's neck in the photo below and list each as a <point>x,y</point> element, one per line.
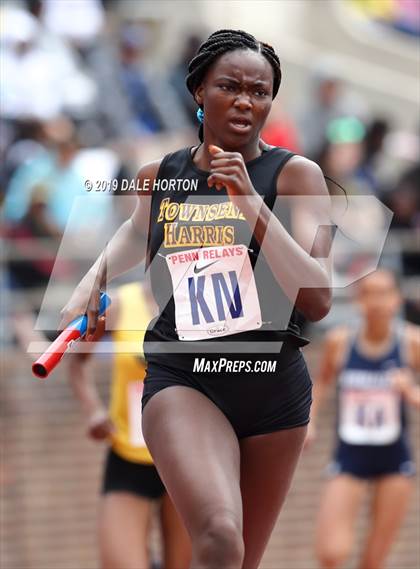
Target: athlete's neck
<point>377,332</point>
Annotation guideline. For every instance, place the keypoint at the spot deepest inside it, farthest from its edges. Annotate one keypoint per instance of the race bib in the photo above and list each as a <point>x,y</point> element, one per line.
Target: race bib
<point>369,417</point>
<point>134,395</point>
<point>214,292</point>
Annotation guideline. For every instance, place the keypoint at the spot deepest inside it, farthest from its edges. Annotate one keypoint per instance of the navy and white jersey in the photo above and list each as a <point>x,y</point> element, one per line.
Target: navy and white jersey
<point>372,438</point>
<point>370,408</point>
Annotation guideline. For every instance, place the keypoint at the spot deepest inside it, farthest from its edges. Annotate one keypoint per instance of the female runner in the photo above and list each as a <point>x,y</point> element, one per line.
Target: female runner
<point>225,273</point>
<point>372,367</point>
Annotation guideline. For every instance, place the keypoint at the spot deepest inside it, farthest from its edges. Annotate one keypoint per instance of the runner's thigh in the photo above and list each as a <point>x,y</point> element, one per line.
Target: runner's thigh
<point>124,523</point>
<point>197,455</point>
<point>390,502</point>
<point>267,465</point>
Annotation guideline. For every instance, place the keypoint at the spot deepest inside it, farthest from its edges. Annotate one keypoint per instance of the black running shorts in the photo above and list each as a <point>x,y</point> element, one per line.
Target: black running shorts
<point>122,475</point>
<point>254,402</point>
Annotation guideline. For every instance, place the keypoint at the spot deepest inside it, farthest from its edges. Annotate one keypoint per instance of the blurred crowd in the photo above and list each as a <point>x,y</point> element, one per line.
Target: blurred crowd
<point>80,95</point>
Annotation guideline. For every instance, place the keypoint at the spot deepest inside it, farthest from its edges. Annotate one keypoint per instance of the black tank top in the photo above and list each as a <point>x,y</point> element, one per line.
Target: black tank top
<point>188,217</point>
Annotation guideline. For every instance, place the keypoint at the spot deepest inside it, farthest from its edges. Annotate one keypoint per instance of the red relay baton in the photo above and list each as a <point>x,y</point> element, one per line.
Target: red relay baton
<point>74,331</point>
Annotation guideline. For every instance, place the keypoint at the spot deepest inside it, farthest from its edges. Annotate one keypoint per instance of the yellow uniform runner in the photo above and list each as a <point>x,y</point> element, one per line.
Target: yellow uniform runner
<point>128,373</point>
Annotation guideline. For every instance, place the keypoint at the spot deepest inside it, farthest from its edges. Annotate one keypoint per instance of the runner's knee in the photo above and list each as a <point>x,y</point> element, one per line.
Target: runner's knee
<point>333,553</point>
<point>220,542</point>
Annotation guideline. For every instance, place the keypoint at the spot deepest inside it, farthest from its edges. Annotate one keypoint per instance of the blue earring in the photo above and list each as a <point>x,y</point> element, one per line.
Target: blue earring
<point>200,115</point>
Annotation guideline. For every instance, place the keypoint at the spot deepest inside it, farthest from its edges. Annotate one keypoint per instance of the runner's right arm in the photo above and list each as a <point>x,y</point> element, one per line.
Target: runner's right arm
<point>125,250</point>
<point>405,379</point>
<point>329,366</point>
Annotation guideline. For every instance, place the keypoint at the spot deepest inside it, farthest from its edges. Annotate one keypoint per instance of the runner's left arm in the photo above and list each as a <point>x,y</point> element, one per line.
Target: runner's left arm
<point>405,378</point>
<point>301,262</point>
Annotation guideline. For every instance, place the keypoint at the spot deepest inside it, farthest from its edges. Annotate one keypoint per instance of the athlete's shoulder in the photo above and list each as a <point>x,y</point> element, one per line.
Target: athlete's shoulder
<point>338,337</point>
<point>167,165</point>
<point>301,176</point>
<point>147,174</point>
<point>412,331</point>
<point>336,342</point>
<point>412,339</point>
<point>150,171</point>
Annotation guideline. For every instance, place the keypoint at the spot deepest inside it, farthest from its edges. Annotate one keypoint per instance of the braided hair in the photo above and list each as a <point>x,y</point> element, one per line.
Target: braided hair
<point>221,42</point>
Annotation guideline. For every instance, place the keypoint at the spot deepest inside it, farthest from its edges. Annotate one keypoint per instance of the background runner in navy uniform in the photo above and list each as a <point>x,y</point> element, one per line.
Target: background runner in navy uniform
<point>244,432</point>
<point>373,371</point>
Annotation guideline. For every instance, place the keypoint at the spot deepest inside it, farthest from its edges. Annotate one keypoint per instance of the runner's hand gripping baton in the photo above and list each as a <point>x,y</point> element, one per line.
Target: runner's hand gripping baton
<point>73,332</point>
